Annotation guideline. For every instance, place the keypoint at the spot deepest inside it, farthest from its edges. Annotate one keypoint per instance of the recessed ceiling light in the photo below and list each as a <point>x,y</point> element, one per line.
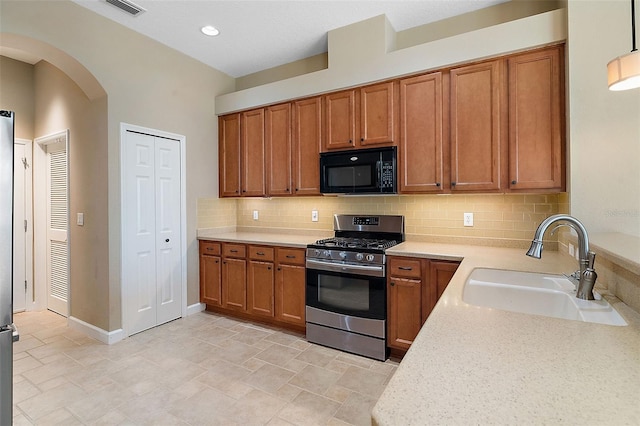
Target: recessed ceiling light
<point>210,30</point>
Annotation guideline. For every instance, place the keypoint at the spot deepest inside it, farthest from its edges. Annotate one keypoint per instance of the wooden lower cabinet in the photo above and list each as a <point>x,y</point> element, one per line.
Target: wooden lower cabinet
<point>262,283</point>
<point>210,273</point>
<point>290,286</point>
<point>414,285</point>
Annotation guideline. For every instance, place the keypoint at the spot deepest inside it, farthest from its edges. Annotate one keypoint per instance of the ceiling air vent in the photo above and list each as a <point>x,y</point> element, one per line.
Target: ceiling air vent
<point>127,6</point>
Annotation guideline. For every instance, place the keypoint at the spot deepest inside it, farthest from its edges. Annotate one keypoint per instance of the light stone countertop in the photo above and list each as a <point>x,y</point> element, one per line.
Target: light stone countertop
<point>473,365</point>
<point>265,238</point>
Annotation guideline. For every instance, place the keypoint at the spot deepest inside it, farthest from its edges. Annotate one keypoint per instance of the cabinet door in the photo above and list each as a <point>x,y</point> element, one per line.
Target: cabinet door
<point>229,155</point>
<point>278,146</point>
<point>260,287</point>
<point>290,294</point>
<point>234,283</point>
<point>535,120</point>
<point>253,153</point>
<point>475,127</point>
<point>210,274</point>
<point>404,317</point>
<point>340,119</point>
<point>440,273</point>
<point>421,134</point>
<point>377,115</point>
<point>307,138</point>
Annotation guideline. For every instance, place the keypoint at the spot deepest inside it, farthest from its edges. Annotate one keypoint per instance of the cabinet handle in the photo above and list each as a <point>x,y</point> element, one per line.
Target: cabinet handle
<point>233,251</point>
<point>392,283</point>
<point>513,182</point>
<point>260,253</point>
<point>209,248</point>
<point>405,268</point>
<point>291,256</point>
<point>438,184</point>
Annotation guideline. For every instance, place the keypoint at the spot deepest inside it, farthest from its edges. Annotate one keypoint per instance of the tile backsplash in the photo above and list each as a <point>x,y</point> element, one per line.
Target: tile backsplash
<point>499,219</point>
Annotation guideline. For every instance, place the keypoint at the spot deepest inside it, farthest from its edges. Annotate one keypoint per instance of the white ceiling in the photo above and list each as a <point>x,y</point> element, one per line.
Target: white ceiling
<point>257,35</point>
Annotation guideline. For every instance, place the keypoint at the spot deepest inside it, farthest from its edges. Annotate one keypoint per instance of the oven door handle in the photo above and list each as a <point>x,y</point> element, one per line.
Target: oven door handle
<point>369,270</point>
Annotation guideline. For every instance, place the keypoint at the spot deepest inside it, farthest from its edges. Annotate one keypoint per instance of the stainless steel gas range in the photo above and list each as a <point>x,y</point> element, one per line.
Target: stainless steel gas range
<point>346,284</point>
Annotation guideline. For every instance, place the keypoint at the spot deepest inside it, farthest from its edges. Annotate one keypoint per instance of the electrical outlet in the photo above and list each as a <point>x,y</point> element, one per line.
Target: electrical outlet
<point>255,215</point>
<point>468,219</point>
<point>80,219</point>
<point>314,215</point>
<point>572,250</point>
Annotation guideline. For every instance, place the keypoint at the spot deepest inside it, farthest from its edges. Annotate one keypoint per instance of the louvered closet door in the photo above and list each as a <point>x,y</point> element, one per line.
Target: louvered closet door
<point>57,229</point>
<point>151,250</point>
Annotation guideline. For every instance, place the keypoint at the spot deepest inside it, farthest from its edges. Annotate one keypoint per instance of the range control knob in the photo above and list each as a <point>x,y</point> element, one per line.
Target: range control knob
<point>359,256</point>
<point>317,252</point>
<point>343,255</point>
<point>370,257</point>
<point>326,253</point>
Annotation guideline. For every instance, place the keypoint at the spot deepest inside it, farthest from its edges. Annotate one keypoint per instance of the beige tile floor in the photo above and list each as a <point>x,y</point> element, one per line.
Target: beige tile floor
<point>205,369</point>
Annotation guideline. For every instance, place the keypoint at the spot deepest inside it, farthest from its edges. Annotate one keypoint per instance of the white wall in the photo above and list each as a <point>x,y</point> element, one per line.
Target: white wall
<point>604,126</point>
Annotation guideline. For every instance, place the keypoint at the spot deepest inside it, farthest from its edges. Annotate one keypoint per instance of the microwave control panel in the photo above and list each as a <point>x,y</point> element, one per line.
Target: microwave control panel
<point>387,178</point>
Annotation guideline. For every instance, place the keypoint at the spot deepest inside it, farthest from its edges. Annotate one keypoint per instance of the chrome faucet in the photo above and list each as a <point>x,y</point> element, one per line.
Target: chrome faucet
<point>587,275</point>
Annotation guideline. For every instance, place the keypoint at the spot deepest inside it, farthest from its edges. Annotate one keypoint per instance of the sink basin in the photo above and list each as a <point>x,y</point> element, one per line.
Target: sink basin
<point>536,294</point>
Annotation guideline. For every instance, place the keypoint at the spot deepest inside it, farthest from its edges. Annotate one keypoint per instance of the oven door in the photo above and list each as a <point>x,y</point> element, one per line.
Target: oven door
<point>346,290</point>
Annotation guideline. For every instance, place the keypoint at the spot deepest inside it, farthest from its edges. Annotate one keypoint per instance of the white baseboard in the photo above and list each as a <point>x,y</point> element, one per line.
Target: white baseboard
<point>108,337</point>
<point>195,308</point>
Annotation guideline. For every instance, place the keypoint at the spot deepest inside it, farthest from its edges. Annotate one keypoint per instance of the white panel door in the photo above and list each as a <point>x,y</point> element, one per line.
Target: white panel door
<point>19,229</point>
<point>151,220</point>
<point>167,191</point>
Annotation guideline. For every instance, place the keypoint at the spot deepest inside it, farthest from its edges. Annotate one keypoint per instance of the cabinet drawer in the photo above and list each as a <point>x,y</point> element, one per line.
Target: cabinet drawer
<point>261,253</point>
<point>210,248</point>
<point>234,250</point>
<point>409,268</point>
<point>291,256</point>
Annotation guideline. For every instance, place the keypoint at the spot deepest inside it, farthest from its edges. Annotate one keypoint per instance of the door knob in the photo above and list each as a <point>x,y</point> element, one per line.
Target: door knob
<point>166,241</point>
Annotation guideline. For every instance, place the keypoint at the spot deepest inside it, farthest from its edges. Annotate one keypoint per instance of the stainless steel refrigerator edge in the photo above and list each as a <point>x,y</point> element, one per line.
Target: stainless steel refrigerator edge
<point>8,333</point>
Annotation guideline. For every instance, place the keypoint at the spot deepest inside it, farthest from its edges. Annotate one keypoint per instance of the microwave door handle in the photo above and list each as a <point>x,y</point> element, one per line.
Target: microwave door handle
<point>379,174</point>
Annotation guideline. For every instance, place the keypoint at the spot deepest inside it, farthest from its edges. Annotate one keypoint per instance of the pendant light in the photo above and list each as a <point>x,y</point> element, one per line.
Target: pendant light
<point>624,71</point>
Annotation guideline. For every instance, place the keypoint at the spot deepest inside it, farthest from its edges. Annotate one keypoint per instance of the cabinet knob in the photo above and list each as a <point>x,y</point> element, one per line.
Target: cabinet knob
<point>392,284</point>
<point>279,268</point>
<point>350,142</point>
<point>166,241</point>
<point>453,184</point>
<point>297,189</point>
<point>361,139</point>
<point>513,182</point>
<point>438,184</point>
<point>217,261</point>
<point>269,267</point>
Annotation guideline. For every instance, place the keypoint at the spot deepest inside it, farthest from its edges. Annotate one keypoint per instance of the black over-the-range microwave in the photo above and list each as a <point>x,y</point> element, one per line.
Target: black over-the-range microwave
<point>362,171</point>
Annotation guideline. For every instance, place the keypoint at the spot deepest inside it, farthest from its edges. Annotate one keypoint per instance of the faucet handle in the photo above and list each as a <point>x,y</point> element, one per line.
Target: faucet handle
<point>591,258</point>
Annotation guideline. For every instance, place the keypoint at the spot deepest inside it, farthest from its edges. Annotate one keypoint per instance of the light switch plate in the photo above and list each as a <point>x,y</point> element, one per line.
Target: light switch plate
<point>80,219</point>
<point>314,215</point>
<point>255,215</point>
<point>468,219</point>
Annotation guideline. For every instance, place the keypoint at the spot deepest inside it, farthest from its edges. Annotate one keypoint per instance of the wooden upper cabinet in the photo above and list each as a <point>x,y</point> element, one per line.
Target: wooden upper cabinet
<point>229,155</point>
<point>278,149</point>
<point>253,153</point>
<point>535,120</point>
<point>361,118</point>
<point>307,138</point>
<point>421,150</point>
<point>475,126</point>
<point>377,115</point>
<point>340,119</point>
